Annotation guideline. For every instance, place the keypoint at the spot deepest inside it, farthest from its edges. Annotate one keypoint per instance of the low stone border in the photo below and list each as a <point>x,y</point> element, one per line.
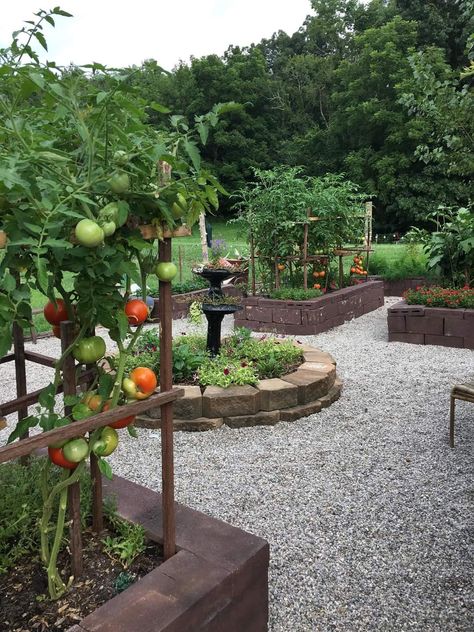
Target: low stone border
<point>431,325</point>
<point>218,579</point>
<point>305,318</point>
<point>313,386</point>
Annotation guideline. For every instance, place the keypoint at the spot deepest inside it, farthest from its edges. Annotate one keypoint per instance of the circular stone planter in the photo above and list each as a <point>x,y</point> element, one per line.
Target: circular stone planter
<point>313,386</point>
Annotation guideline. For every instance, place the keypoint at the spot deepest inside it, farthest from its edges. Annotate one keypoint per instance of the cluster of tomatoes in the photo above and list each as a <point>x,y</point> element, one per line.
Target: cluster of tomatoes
<point>320,273</point>
<point>139,384</point>
<point>358,266</point>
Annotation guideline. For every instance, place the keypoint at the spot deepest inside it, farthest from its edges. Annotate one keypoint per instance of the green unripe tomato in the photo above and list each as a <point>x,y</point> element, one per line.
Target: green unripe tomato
<point>89,233</point>
<point>166,271</point>
<point>106,443</point>
<point>89,350</point>
<point>179,207</point>
<point>109,228</point>
<point>119,183</point>
<point>121,157</point>
<point>76,450</point>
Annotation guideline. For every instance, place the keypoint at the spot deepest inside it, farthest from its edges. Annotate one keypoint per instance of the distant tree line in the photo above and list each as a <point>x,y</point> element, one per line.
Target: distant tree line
<point>380,92</point>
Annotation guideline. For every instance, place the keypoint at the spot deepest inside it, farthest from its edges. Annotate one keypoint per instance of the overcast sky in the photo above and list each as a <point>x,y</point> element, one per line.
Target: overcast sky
<point>125,32</point>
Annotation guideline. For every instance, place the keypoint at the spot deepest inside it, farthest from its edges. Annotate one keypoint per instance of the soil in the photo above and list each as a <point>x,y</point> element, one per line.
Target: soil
<point>25,605</point>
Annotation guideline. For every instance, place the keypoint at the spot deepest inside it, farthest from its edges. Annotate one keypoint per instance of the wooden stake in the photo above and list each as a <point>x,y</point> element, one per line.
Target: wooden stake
<point>252,263</point>
<point>74,490</point>
<point>305,255</point>
<point>203,232</point>
<point>166,381</point>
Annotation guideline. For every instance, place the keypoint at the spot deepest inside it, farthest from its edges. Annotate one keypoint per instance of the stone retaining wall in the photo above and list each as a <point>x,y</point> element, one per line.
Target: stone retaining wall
<point>431,325</point>
<point>311,317</point>
<point>313,386</point>
<point>397,288</point>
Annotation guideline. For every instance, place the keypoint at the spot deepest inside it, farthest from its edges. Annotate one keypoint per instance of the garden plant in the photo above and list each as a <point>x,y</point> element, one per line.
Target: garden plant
<point>81,170</point>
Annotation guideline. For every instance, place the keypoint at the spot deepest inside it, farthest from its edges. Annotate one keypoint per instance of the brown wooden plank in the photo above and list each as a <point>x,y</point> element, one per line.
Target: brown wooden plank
<point>7,358</point>
<point>32,398</point>
<point>39,358</point>
<point>166,381</point>
<point>78,428</point>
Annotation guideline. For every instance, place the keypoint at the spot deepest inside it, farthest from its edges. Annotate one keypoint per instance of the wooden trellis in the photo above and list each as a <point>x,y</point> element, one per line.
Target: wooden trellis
<point>305,259</point>
<point>71,380</point>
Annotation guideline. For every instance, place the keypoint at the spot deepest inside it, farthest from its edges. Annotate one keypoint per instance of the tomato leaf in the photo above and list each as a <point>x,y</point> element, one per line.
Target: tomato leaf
<point>106,384</point>
<point>42,274</point>
<point>22,427</point>
<point>105,468</point>
<point>193,153</point>
<point>132,431</point>
<point>47,397</point>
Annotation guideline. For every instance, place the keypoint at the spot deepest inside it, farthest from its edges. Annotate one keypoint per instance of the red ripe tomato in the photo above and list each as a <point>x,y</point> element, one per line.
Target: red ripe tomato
<point>121,423</point>
<point>144,378</point>
<point>136,311</point>
<point>54,314</point>
<point>57,457</point>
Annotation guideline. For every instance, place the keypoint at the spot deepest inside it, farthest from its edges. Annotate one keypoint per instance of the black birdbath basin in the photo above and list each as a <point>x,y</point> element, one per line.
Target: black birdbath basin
<point>215,311</point>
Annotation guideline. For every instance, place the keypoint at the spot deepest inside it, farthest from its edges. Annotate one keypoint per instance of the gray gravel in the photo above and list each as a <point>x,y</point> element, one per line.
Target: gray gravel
<point>367,510</point>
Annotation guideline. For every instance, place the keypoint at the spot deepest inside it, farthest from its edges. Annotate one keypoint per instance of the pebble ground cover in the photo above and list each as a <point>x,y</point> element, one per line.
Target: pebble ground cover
<point>367,510</point>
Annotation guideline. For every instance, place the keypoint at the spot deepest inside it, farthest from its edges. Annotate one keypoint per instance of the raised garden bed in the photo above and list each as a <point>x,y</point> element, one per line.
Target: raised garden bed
<point>313,386</point>
<point>400,286</point>
<point>431,325</point>
<point>313,316</point>
<point>218,579</point>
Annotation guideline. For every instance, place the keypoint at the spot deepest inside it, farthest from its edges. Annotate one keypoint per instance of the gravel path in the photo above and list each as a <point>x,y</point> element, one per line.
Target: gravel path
<point>367,510</point>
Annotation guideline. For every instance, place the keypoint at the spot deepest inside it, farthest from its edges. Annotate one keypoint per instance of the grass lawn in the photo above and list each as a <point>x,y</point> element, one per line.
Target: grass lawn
<point>235,236</point>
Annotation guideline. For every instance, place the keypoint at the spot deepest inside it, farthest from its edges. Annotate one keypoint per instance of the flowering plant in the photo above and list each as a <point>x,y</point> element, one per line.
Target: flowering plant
<point>441,297</point>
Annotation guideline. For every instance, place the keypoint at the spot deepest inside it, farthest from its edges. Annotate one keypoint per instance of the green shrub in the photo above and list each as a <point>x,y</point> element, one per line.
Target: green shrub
<point>22,505</point>
<point>295,294</point>
<point>411,263</point>
<point>224,371</point>
<point>196,283</point>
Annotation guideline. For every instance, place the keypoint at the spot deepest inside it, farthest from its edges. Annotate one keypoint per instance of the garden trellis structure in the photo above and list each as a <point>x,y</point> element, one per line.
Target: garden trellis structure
<point>306,259</point>
<point>164,398</point>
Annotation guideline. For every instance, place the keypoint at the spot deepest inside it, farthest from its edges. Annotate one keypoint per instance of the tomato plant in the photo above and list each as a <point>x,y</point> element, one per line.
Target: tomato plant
<point>81,169</point>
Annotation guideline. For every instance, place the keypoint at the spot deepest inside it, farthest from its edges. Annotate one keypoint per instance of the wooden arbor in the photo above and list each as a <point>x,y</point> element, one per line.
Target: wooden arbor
<point>164,398</point>
<point>306,259</point>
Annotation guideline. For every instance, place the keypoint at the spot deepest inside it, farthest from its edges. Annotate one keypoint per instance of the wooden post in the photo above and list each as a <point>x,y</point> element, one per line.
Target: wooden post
<point>341,272</point>
<point>252,263</point>
<point>166,382</point>
<point>180,263</point>
<point>74,490</point>
<point>277,274</point>
<point>203,232</point>
<point>305,257</point>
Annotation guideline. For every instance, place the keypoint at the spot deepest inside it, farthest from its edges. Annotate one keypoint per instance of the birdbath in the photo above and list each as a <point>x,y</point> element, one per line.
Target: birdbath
<point>215,312</point>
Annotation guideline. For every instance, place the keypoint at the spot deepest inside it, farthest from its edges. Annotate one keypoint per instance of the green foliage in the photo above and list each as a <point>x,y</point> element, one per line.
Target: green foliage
<point>450,249</point>
<point>295,294</point>
<point>441,297</point>
<point>276,206</point>
<point>188,353</point>
<point>21,509</point>
<point>268,356</point>
<point>224,371</point>
<point>411,262</point>
<point>196,283</point>
<point>127,543</point>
